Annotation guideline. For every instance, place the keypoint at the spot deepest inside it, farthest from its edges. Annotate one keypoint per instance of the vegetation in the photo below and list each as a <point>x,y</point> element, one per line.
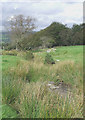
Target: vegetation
<point>29,55</point>
<point>12,52</point>
<point>19,26</point>
<point>42,72</point>
<point>8,109</point>
<point>49,59</point>
<point>25,90</point>
<point>56,34</point>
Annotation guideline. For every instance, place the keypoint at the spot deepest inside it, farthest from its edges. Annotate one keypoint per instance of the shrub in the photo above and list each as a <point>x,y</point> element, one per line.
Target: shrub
<point>10,47</point>
<point>29,55</point>
<point>49,59</point>
<point>12,52</point>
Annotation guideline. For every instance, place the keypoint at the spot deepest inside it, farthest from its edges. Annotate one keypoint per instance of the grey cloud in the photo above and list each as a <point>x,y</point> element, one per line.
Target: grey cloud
<point>44,12</point>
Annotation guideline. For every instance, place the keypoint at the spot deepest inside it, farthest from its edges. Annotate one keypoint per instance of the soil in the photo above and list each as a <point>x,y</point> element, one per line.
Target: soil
<point>62,88</point>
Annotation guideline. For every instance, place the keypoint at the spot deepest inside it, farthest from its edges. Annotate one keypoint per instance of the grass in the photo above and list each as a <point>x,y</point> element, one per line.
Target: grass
<point>66,53</point>
<point>36,101</point>
<point>25,84</point>
<point>9,61</point>
<point>8,112</point>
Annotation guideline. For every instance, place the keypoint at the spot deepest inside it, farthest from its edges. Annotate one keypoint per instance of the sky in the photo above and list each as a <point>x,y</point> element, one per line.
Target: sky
<point>44,11</point>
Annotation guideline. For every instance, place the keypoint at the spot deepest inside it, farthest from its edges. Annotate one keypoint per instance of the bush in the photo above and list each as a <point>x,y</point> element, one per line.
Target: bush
<point>9,46</point>
<point>29,55</point>
<point>49,59</point>
<point>12,52</point>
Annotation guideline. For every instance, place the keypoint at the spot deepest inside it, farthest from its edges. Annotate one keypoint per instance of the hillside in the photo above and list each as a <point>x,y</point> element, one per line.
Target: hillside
<point>56,34</point>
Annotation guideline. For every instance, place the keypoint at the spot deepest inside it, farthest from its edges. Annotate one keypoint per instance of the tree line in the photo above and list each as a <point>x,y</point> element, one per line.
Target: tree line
<point>57,34</point>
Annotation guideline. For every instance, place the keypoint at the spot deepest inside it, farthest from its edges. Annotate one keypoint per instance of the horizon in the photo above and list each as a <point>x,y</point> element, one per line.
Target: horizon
<point>70,27</point>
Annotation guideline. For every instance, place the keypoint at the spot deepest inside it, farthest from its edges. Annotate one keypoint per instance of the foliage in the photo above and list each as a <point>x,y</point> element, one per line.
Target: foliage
<point>12,53</point>
<point>49,59</point>
<point>34,99</point>
<point>19,26</point>
<point>57,34</point>
<point>9,46</point>
<point>29,55</point>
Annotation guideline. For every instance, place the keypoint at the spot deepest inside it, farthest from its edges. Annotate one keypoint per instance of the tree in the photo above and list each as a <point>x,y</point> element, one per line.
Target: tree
<point>77,34</point>
<point>19,27</point>
<point>65,37</point>
<point>54,30</point>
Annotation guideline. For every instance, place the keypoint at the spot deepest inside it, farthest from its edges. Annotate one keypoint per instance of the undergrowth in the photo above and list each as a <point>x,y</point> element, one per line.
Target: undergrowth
<point>24,88</point>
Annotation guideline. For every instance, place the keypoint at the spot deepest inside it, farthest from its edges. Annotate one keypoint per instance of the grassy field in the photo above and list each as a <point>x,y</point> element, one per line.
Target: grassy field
<point>24,84</point>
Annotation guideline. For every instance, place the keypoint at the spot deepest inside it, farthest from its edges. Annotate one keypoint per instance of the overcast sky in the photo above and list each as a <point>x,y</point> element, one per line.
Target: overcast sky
<point>45,11</point>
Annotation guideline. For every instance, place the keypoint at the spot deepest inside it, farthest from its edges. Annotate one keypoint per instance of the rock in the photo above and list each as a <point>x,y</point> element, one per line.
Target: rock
<point>57,60</point>
<point>62,89</point>
<point>53,87</point>
<point>51,82</point>
<point>53,49</point>
<point>48,51</point>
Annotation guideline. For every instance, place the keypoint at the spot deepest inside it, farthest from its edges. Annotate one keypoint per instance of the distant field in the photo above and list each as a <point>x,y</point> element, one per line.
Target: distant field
<point>18,93</point>
<point>66,53</point>
<point>74,53</point>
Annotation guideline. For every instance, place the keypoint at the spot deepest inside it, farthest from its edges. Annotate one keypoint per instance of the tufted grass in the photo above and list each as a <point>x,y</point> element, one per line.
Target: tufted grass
<point>24,84</point>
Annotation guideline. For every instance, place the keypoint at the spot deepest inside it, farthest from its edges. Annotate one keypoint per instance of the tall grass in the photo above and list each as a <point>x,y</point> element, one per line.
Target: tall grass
<point>11,89</point>
<point>36,101</point>
<point>25,88</point>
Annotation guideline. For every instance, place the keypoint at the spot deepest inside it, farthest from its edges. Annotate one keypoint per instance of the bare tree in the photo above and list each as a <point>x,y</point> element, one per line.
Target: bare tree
<point>20,26</point>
